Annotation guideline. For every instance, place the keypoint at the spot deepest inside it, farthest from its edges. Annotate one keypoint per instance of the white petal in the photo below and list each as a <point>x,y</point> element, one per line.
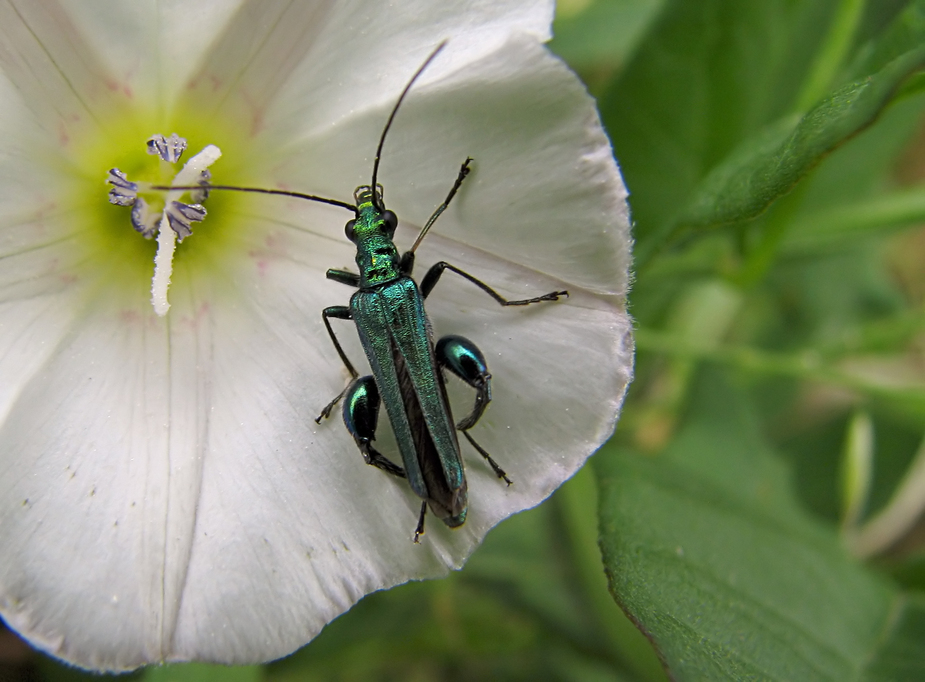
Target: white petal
<point>76,62</point>
<point>84,498</point>
<point>254,55</point>
<point>308,65</point>
<point>147,49</point>
<point>58,78</point>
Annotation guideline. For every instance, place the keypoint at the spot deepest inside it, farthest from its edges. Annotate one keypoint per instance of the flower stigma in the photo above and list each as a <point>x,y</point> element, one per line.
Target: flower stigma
<point>149,214</point>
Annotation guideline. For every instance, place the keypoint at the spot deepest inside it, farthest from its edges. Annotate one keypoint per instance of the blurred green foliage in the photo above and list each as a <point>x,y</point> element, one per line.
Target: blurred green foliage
<point>775,155</point>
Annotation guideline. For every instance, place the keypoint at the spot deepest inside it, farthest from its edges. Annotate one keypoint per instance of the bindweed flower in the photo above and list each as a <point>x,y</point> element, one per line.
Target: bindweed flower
<point>165,493</point>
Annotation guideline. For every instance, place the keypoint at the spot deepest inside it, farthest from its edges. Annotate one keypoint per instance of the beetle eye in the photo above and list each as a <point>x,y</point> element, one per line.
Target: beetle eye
<point>348,228</point>
<point>391,222</point>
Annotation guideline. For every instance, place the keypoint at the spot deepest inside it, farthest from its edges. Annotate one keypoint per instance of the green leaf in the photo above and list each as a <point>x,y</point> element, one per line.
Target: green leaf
<point>763,169</point>
<point>845,222</point>
<point>601,33</point>
<point>832,53</point>
<point>710,74</point>
<point>900,656</point>
<point>709,553</point>
<point>904,34</point>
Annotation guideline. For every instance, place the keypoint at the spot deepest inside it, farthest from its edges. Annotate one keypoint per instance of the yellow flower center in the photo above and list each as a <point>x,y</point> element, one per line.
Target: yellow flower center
<point>165,215</point>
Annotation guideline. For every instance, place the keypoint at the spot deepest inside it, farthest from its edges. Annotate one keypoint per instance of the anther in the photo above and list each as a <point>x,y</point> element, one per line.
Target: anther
<point>170,149</point>
<point>180,217</point>
<point>124,191</point>
<point>143,220</point>
<point>201,195</point>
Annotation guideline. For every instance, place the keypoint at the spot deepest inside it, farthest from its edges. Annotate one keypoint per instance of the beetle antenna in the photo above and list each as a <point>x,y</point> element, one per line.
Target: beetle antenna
<point>259,190</point>
<point>388,123</point>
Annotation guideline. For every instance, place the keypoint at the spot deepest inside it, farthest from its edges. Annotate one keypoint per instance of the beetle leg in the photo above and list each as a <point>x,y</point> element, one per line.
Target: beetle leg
<point>463,358</point>
<point>437,269</point>
<point>351,279</point>
<point>419,531</point>
<point>488,458</point>
<point>361,414</point>
<point>338,312</point>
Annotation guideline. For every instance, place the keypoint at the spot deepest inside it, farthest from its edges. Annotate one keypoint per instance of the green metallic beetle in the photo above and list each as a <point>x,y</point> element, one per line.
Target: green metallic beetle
<point>388,310</point>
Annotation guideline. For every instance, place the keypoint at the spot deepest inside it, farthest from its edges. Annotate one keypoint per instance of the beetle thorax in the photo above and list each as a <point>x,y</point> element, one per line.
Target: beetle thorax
<point>377,258</point>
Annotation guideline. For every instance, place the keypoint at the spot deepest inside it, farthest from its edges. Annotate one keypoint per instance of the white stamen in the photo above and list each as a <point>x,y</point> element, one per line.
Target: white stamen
<point>167,238</point>
<point>163,269</point>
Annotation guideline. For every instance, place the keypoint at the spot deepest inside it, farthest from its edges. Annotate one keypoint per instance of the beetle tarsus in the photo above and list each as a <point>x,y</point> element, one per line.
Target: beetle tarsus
<point>419,531</point>
<point>488,458</point>
<point>326,412</point>
<point>376,459</point>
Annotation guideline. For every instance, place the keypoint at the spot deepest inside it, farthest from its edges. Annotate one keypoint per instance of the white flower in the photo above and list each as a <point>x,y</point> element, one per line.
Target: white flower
<point>164,491</point>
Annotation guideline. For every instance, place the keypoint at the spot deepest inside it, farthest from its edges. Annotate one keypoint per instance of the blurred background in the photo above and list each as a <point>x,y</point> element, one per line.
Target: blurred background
<point>759,506</point>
